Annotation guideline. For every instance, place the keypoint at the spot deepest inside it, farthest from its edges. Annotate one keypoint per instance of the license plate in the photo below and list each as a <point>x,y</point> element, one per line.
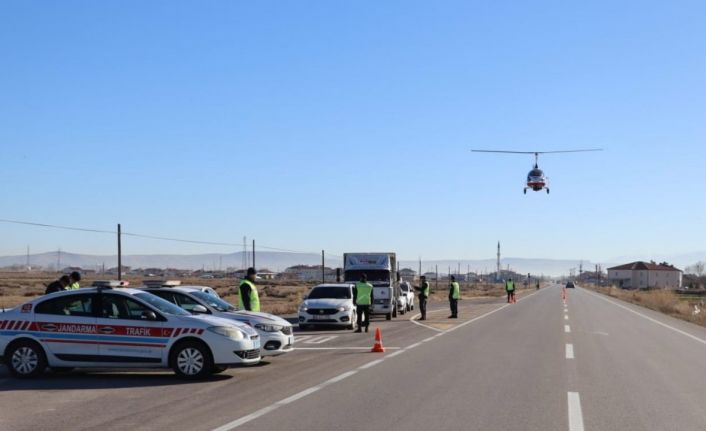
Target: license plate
<point>317,317</point>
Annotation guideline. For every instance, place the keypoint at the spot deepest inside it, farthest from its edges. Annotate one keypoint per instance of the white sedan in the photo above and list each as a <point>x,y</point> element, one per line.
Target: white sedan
<point>276,335</point>
<point>106,327</point>
<point>328,304</point>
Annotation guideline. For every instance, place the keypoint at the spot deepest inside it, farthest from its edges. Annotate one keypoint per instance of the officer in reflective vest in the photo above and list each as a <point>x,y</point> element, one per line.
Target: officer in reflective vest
<point>363,299</point>
<point>75,277</point>
<point>424,291</point>
<point>248,298</point>
<point>454,296</point>
<point>510,289</point>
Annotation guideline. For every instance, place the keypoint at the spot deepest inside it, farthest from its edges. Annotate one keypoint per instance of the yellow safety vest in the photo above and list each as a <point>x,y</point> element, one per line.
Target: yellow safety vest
<point>254,297</point>
<point>73,286</point>
<point>456,292</point>
<point>510,286</point>
<point>364,293</point>
<point>425,288</point>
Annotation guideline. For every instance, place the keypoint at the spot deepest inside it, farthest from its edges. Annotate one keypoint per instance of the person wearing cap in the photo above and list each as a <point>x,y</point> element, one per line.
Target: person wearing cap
<point>248,298</point>
<point>454,296</point>
<point>75,277</point>
<point>510,289</point>
<point>58,285</point>
<point>363,299</point>
<point>424,291</point>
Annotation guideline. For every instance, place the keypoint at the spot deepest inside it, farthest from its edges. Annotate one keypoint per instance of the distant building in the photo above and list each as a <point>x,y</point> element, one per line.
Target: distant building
<point>308,273</point>
<point>643,275</point>
<point>408,274</point>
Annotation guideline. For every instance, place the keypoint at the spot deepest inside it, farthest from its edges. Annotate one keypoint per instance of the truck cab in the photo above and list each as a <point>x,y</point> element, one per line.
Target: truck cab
<point>380,271</point>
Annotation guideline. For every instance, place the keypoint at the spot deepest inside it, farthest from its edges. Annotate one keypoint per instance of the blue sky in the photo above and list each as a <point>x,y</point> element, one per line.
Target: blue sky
<point>347,126</point>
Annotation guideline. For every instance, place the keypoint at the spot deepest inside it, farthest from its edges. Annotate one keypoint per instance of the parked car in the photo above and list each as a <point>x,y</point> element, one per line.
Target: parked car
<point>276,335</point>
<point>408,291</point>
<point>570,285</point>
<point>328,304</point>
<point>107,327</point>
<point>401,302</point>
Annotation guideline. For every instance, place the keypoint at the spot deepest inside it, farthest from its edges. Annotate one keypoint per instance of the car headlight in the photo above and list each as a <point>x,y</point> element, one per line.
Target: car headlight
<point>303,307</point>
<point>268,328</point>
<point>345,308</point>
<point>227,331</point>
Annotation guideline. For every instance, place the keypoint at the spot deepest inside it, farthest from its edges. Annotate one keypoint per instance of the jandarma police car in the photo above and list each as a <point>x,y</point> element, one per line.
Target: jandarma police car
<point>107,327</point>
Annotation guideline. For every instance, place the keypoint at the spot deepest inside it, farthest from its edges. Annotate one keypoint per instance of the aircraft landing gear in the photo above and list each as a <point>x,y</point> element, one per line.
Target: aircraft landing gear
<point>547,191</point>
<point>525,190</point>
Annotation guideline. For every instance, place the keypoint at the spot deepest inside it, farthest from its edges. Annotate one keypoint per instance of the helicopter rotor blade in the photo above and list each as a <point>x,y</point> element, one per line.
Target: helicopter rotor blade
<point>538,152</point>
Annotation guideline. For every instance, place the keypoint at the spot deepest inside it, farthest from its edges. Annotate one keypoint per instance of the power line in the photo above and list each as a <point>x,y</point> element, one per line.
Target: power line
<point>154,237</point>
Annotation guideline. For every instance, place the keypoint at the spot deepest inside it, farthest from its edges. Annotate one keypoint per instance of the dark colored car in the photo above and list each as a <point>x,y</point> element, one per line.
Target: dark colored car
<point>570,285</point>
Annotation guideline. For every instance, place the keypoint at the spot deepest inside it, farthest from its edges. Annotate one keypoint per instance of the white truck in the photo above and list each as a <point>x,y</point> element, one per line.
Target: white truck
<point>380,269</point>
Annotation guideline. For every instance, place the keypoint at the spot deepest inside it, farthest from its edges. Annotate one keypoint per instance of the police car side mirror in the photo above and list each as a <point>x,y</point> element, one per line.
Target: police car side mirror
<point>148,315</point>
<point>199,309</point>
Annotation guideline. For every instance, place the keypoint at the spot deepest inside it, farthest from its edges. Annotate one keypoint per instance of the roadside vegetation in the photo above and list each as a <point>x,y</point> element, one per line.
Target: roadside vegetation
<point>277,296</point>
<point>689,307</point>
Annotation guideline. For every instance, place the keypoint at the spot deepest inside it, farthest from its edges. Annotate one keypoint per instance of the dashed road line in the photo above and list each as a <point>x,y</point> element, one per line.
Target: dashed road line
<point>569,351</point>
<point>567,329</point>
<point>575,414</point>
<point>566,317</point>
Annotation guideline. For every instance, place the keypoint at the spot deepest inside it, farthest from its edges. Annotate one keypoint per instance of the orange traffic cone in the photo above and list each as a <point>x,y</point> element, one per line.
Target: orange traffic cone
<point>377,348</point>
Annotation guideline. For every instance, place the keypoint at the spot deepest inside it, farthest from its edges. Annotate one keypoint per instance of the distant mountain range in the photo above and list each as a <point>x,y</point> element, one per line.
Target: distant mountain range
<point>278,261</point>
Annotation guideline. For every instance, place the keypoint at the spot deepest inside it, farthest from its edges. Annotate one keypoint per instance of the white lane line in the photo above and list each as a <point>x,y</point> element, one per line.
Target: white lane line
<point>342,348</point>
<point>299,395</point>
<point>428,339</point>
<point>321,340</point>
<point>300,338</point>
<point>413,346</point>
<point>567,329</point>
<point>341,377</point>
<point>575,414</point>
<point>416,322</point>
<point>566,317</point>
<point>371,364</point>
<point>677,330</point>
<point>569,351</point>
<point>245,419</point>
<point>392,355</point>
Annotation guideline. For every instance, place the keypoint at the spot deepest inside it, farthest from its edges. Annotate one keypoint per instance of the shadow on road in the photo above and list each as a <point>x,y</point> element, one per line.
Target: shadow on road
<point>91,379</point>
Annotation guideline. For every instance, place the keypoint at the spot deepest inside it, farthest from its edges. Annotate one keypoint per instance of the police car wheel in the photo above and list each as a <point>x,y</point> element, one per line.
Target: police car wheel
<point>26,359</point>
<point>191,360</point>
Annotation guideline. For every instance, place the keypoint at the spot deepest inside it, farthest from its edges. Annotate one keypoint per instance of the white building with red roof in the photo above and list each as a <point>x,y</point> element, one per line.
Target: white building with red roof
<point>643,275</point>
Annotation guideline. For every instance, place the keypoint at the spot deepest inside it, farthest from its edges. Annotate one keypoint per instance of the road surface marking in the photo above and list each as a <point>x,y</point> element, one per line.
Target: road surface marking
<point>428,339</point>
<point>684,333</point>
<point>413,346</point>
<point>371,364</point>
<point>342,377</point>
<point>265,410</point>
<point>392,355</point>
<point>566,317</point>
<point>567,329</point>
<point>569,351</point>
<point>300,338</point>
<point>320,340</point>
<point>575,414</point>
<point>341,348</point>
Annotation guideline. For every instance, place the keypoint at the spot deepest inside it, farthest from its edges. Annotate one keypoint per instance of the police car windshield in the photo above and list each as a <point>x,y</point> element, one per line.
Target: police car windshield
<point>330,292</point>
<point>162,305</point>
<point>213,301</point>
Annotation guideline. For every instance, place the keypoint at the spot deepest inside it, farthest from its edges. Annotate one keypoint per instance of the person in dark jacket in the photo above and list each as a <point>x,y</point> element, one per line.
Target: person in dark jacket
<point>58,285</point>
<point>424,292</point>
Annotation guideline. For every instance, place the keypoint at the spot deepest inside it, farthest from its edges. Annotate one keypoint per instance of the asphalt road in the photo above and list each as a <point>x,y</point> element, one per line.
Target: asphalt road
<point>596,364</point>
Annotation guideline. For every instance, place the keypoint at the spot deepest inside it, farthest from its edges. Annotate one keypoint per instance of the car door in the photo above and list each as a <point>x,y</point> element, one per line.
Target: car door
<point>67,326</point>
<point>129,336</point>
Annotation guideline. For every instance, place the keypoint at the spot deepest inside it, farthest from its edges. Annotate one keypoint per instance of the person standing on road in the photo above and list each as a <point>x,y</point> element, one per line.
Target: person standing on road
<point>424,291</point>
<point>454,296</point>
<point>75,277</point>
<point>248,298</point>
<point>510,289</point>
<point>363,299</point>
<point>58,285</point>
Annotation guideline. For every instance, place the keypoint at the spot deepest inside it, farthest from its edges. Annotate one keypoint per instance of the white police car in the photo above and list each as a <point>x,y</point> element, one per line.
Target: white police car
<point>276,335</point>
<point>106,327</point>
<point>328,304</point>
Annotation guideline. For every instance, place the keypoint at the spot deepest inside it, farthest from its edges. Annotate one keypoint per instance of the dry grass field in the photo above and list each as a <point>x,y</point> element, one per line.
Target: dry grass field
<point>665,301</point>
<point>276,296</point>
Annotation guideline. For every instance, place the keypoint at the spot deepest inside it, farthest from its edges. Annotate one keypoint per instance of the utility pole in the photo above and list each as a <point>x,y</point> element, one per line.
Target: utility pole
<point>244,260</point>
<point>436,282</point>
<point>497,274</point>
<point>253,255</point>
<point>420,268</point>
<point>29,268</point>
<point>323,272</point>
<point>120,255</point>
<point>58,260</point>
